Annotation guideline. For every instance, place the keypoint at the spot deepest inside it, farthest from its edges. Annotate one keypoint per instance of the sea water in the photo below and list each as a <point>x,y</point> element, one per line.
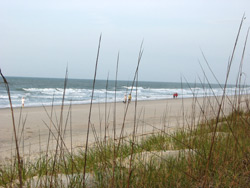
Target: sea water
<point>48,91</point>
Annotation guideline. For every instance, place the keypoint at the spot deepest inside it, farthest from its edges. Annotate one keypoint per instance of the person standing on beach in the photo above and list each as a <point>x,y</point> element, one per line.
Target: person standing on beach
<point>175,95</point>
<point>125,99</point>
<point>129,98</point>
<point>23,100</point>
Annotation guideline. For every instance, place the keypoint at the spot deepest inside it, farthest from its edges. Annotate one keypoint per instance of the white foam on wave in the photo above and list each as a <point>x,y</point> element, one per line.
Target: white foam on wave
<point>44,96</point>
<point>134,88</point>
<point>4,97</point>
<point>57,91</point>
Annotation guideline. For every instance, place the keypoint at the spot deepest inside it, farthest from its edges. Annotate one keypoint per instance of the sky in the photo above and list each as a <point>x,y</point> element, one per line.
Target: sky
<point>40,38</point>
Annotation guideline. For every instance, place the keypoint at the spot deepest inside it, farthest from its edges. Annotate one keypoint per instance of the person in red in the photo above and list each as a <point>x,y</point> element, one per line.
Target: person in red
<point>175,95</point>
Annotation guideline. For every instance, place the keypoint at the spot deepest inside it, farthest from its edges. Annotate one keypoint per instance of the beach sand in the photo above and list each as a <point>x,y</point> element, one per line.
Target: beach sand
<point>151,116</point>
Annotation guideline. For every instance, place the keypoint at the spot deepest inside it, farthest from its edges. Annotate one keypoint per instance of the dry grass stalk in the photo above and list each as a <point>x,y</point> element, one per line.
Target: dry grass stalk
<point>14,130</point>
<point>90,109</point>
<point>221,103</point>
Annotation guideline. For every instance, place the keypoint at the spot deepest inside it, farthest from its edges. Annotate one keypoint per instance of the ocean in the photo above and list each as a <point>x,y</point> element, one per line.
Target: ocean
<point>44,91</point>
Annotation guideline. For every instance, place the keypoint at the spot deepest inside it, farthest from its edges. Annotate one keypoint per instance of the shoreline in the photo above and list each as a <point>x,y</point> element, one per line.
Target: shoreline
<point>152,116</point>
<point>95,103</point>
<point>101,103</point>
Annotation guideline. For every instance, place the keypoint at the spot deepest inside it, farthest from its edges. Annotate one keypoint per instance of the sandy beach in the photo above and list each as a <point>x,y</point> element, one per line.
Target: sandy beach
<point>151,116</point>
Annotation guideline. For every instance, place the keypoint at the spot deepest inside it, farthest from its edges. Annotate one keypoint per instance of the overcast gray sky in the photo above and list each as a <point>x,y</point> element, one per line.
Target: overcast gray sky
<point>39,38</point>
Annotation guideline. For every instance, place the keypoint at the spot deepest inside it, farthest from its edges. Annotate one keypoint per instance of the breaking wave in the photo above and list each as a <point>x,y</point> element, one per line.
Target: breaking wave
<point>43,94</point>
